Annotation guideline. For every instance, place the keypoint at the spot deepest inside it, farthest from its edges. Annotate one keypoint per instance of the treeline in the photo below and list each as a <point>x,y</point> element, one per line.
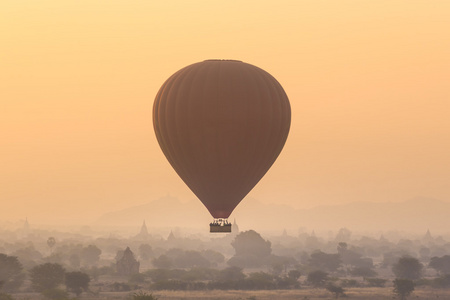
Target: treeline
<point>254,263</point>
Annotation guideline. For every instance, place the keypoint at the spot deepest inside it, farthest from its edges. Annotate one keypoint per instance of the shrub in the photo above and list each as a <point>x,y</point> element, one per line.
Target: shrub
<point>57,294</point>
<point>4,296</point>
<point>143,296</point>
<point>336,290</point>
<point>376,282</point>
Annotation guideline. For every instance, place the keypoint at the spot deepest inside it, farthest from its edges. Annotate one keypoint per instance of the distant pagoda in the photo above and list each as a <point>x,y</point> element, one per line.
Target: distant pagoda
<point>127,265</point>
<point>143,234</point>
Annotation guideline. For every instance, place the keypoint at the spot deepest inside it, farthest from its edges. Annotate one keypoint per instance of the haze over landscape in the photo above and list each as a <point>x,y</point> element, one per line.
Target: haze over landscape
<point>356,205</point>
<point>367,82</point>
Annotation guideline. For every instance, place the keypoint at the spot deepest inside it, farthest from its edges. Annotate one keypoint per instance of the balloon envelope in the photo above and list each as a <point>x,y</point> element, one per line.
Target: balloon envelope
<point>221,124</point>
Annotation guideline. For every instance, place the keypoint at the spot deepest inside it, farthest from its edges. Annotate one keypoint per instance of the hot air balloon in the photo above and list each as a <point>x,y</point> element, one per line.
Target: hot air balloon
<point>221,124</point>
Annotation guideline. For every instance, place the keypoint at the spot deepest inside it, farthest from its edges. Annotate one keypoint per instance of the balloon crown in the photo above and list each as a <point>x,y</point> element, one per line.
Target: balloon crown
<point>223,60</point>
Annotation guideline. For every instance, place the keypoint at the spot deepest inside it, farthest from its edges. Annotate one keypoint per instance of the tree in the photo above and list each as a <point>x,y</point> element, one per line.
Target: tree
<point>46,276</point>
<point>342,247</point>
<point>231,273</point>
<point>188,259</point>
<point>324,261</point>
<point>336,290</point>
<point>145,252</point>
<point>363,272</point>
<point>440,264</point>
<point>280,264</point>
<point>403,287</point>
<point>162,262</point>
<point>91,255</point>
<point>259,281</point>
<point>28,256</point>
<point>251,250</point>
<point>77,282</point>
<point>213,257</point>
<point>294,274</point>
<point>343,235</point>
<point>251,243</point>
<point>51,243</point>
<point>375,282</point>
<point>74,261</point>
<point>317,278</point>
<point>10,272</point>
<point>442,282</point>
<point>408,268</point>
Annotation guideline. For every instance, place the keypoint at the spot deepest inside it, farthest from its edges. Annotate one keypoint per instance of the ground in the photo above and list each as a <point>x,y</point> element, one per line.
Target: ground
<point>302,294</point>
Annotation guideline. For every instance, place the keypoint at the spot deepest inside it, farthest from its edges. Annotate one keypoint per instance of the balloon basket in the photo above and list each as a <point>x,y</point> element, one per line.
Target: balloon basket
<point>220,225</point>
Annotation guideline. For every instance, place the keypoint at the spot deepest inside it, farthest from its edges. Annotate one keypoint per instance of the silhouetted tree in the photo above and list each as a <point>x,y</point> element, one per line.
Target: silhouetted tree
<point>74,261</point>
<point>251,250</point>
<point>213,257</point>
<point>259,281</point>
<point>77,282</point>
<point>91,255</point>
<point>408,268</point>
<point>317,278</point>
<point>440,264</point>
<point>145,252</point>
<point>403,287</point>
<point>251,243</point>
<point>375,282</point>
<point>231,273</point>
<point>342,247</point>
<point>46,276</point>
<point>229,278</point>
<point>343,235</point>
<point>191,259</point>
<point>280,264</point>
<point>51,241</point>
<point>324,261</point>
<point>10,272</point>
<point>363,272</point>
<point>294,274</point>
<point>162,262</point>
<point>392,257</point>
<point>336,290</point>
<point>27,256</point>
<point>442,282</point>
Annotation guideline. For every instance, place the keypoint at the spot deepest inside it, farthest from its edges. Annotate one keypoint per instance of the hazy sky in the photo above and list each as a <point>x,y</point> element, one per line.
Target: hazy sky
<point>368,81</point>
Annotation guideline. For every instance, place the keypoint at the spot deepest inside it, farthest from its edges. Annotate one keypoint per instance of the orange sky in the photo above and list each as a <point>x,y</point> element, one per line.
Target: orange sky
<point>368,81</point>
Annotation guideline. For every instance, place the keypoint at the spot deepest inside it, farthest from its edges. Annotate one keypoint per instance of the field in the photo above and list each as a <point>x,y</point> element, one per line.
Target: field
<point>302,294</point>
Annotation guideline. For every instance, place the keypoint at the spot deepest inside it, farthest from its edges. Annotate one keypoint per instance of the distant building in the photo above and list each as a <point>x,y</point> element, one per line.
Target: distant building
<point>235,228</point>
<point>25,231</point>
<point>127,265</point>
<point>143,234</point>
<point>428,238</point>
<point>171,237</point>
<point>26,226</point>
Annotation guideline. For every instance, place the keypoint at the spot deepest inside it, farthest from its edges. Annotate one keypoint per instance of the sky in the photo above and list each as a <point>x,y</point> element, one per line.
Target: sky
<point>368,82</point>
